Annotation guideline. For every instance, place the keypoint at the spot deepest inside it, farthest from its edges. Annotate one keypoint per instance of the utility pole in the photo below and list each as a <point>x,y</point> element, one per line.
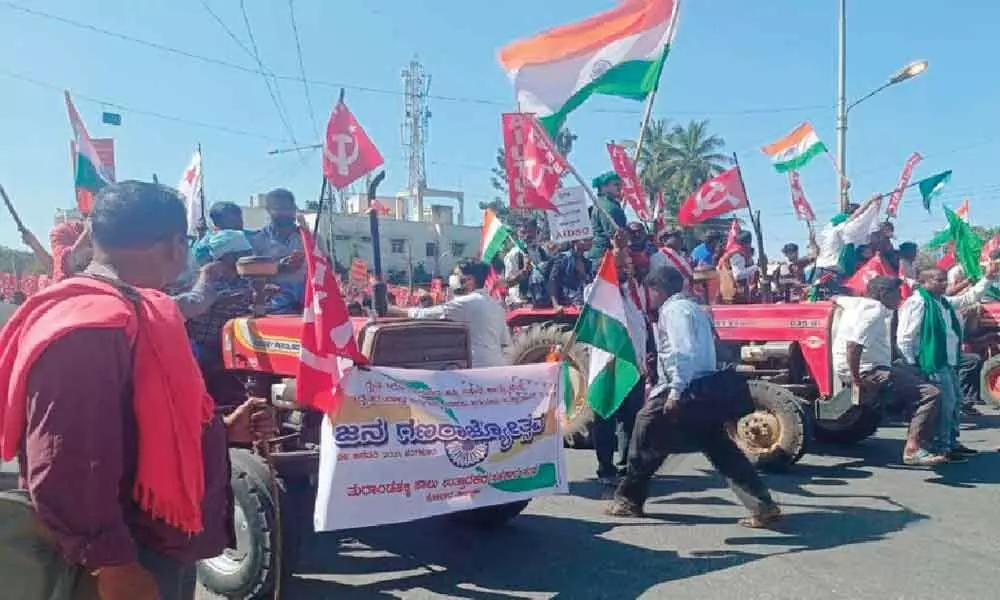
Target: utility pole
<point>416,85</point>
<point>842,107</point>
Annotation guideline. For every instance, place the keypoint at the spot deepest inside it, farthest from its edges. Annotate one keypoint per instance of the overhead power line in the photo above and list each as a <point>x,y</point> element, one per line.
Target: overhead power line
<point>275,90</point>
<point>302,67</point>
<point>139,111</point>
<point>376,90</point>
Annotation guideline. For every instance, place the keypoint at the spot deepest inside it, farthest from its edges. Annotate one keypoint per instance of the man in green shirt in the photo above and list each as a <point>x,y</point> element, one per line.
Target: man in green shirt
<point>608,216</point>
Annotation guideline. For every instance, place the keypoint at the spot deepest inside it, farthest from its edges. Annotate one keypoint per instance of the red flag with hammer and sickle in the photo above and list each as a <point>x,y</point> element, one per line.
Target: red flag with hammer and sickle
<point>327,333</point>
<point>875,267</point>
<point>717,196</point>
<point>348,153</point>
<point>534,166</point>
<point>631,189</point>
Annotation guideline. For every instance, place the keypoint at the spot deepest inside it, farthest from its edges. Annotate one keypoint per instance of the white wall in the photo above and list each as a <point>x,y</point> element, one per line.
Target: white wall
<point>402,241</point>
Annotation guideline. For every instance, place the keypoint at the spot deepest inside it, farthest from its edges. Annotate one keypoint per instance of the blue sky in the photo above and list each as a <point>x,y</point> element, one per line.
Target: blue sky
<point>755,69</point>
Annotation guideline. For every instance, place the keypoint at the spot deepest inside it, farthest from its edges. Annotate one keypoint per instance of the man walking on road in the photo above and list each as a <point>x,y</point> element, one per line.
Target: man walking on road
<point>688,408</point>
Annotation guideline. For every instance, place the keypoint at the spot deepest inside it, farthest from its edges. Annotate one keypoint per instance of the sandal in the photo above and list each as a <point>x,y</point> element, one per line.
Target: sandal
<point>621,507</point>
<point>763,519</point>
<point>923,458</point>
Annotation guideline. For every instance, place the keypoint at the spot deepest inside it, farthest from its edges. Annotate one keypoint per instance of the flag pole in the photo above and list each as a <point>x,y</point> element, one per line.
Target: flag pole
<point>754,222</point>
<point>203,224</point>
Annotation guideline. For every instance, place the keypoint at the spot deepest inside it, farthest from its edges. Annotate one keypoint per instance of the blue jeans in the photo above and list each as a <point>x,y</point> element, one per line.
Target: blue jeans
<point>951,410</point>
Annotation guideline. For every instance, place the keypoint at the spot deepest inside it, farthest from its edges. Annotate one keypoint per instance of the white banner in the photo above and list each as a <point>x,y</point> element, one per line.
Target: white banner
<point>572,222</point>
<point>409,444</point>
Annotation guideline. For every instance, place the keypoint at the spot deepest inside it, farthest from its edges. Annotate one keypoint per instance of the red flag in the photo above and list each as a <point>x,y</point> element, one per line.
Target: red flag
<point>534,166</point>
<point>948,260</point>
<point>379,208</point>
<point>876,267</point>
<point>327,332</point>
<point>359,272</point>
<point>732,241</point>
<point>717,196</point>
<point>803,210</point>
<point>348,153</point>
<point>904,180</point>
<point>989,248</point>
<point>631,189</point>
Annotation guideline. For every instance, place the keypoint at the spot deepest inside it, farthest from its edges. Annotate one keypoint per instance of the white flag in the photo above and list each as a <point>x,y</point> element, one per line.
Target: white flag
<point>190,189</point>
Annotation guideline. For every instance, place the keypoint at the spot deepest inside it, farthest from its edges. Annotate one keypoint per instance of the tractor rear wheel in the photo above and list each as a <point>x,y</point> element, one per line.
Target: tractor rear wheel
<point>533,345</point>
<point>776,434</point>
<point>989,389</point>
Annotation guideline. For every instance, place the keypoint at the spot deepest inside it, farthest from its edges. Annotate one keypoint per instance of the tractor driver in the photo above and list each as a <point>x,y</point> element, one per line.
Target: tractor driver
<point>862,357</point>
<point>472,305</point>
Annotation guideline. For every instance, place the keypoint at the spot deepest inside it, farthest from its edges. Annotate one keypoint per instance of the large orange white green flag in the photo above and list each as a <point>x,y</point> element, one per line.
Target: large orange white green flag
<point>602,324</point>
<point>796,149</point>
<point>619,52</point>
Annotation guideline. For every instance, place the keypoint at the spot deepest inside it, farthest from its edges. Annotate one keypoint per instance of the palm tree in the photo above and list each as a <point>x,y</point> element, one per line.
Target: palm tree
<point>677,160</point>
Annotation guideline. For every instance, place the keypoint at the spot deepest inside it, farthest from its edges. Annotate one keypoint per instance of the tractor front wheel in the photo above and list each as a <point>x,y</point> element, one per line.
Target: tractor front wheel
<point>775,435</point>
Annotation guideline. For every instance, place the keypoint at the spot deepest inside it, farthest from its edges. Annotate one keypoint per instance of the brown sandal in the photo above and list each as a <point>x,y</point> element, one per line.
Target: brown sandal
<point>762,520</point>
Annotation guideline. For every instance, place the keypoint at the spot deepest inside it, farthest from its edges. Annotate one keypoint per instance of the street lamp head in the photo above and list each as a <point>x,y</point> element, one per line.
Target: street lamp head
<point>909,71</point>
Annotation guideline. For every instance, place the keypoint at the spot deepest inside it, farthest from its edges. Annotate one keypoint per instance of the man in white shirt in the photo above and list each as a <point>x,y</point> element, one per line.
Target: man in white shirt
<point>929,335</point>
<point>862,357</point>
<point>689,406</point>
<point>472,305</point>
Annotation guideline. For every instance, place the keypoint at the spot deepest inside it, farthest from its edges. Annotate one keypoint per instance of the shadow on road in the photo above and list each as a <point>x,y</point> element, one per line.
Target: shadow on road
<point>544,556</point>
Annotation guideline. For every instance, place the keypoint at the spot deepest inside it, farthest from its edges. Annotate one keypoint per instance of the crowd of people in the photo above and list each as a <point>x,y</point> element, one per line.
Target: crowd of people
<point>152,423</point>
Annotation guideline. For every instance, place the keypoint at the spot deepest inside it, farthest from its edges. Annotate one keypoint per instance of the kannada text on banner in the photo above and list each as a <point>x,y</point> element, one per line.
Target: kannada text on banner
<point>409,444</point>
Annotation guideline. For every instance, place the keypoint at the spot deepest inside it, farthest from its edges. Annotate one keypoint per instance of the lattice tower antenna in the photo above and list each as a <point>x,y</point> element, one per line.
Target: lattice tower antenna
<point>416,115</point>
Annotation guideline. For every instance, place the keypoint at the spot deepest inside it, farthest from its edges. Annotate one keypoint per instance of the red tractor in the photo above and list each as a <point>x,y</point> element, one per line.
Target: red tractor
<point>785,351</point>
<point>274,502</point>
<point>984,339</point>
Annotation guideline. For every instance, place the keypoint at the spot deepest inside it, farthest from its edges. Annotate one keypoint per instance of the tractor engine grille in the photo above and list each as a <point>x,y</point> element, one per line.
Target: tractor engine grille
<point>433,345</point>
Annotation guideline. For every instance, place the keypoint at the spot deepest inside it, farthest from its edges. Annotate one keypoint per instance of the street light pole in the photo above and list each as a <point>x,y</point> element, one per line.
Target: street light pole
<point>842,107</point>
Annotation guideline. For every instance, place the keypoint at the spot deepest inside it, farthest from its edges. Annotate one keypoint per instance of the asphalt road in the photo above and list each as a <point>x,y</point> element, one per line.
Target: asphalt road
<point>859,526</point>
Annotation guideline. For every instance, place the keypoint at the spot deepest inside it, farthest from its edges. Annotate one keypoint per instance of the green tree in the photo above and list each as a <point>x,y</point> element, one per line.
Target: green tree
<point>677,160</point>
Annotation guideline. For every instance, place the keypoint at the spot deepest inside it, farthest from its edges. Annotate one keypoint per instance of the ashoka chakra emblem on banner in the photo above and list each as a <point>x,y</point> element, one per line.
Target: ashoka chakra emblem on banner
<point>600,68</point>
<point>464,454</point>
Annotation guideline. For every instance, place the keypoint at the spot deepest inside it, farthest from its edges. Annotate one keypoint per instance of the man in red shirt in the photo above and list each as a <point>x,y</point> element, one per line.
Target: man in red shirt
<point>118,441</point>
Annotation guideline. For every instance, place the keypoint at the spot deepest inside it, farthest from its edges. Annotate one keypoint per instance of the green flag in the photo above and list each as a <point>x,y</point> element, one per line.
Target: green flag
<point>968,245</point>
<point>932,186</point>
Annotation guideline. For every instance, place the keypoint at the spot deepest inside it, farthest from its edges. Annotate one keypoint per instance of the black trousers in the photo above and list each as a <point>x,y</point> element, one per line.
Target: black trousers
<point>970,368</point>
<point>605,434</point>
<point>657,435</point>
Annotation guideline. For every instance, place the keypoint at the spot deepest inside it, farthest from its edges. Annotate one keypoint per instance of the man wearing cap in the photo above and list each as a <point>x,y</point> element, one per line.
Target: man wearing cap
<point>608,216</point>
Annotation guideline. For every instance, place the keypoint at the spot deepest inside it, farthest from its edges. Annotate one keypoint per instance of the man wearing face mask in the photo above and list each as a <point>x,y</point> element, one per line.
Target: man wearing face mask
<point>472,305</point>
<point>281,239</point>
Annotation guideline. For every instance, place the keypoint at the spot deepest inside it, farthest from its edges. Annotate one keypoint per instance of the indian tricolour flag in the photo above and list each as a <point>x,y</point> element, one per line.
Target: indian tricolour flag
<point>91,174</point>
<point>793,151</point>
<point>619,52</point>
<point>602,325</point>
<point>495,235</point>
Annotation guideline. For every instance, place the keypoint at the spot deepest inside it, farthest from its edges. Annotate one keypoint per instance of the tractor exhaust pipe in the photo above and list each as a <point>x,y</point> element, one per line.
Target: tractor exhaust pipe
<point>380,300</point>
